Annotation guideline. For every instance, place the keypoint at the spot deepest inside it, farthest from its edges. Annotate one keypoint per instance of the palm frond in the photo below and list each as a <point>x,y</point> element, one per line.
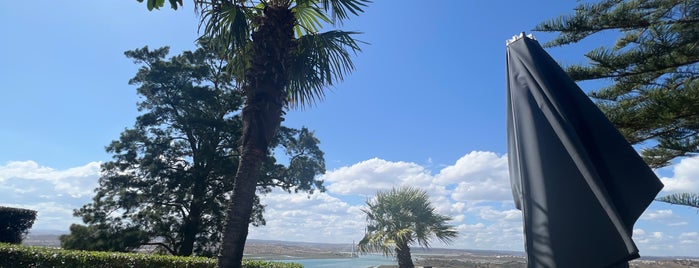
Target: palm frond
<point>684,199</point>
<point>225,23</point>
<point>310,18</point>
<point>226,28</point>
<point>341,9</point>
<point>376,242</point>
<point>321,60</point>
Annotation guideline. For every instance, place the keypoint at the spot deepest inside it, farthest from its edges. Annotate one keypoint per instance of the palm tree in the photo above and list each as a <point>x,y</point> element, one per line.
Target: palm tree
<point>400,217</point>
<point>685,199</point>
<point>280,60</point>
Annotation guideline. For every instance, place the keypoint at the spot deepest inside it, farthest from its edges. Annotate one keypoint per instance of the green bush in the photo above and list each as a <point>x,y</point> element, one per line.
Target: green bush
<point>40,257</point>
<point>15,223</point>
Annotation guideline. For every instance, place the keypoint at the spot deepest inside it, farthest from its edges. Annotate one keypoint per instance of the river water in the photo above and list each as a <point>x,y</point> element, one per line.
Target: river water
<point>363,261</point>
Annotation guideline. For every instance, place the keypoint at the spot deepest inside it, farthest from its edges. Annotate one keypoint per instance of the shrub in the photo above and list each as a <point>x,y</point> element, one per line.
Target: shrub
<point>22,256</point>
<point>15,223</point>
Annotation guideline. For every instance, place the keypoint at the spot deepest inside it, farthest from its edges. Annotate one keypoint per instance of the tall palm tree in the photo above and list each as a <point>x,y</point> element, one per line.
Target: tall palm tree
<point>684,199</point>
<point>280,60</point>
<point>400,217</point>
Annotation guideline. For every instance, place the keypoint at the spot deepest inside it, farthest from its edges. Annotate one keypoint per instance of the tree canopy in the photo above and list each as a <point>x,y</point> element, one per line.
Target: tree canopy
<point>401,217</point>
<point>282,61</point>
<point>170,180</point>
<point>654,95</point>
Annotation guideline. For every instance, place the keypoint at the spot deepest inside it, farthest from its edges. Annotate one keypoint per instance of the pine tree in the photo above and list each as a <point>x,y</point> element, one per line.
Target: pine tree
<point>654,95</point>
<point>169,181</point>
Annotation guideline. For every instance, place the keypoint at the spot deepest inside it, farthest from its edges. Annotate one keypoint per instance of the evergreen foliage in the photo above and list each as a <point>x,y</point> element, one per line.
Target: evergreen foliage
<point>104,236</point>
<point>684,199</point>
<point>15,224</point>
<point>653,65</point>
<point>276,51</point>
<point>282,61</point>
<point>170,178</point>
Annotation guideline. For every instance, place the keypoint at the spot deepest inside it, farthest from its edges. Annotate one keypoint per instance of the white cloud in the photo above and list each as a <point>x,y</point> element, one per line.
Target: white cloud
<point>478,176</point>
<point>76,182</point>
<point>366,177</point>
<point>476,165</point>
<point>475,176</point>
<point>53,215</point>
<point>685,177</point>
<point>489,213</point>
<point>459,191</point>
<point>474,191</point>
<point>51,192</point>
<point>689,238</point>
<point>319,217</point>
<point>657,214</point>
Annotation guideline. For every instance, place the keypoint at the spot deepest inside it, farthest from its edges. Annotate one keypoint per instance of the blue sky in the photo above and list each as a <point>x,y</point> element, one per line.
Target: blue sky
<point>425,107</point>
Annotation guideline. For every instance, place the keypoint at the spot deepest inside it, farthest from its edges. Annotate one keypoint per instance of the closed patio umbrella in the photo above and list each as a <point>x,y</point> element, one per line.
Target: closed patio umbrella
<point>579,183</point>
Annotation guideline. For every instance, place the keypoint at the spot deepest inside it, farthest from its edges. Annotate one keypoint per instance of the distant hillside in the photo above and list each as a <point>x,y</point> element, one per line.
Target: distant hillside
<point>438,257</point>
<point>275,247</point>
<point>44,238</point>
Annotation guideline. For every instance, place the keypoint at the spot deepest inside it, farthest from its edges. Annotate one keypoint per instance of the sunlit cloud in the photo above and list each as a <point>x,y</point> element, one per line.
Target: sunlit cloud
<point>657,214</point>
<point>474,191</point>
<point>53,193</point>
<point>685,177</point>
<point>366,177</point>
<point>76,182</point>
<point>689,238</point>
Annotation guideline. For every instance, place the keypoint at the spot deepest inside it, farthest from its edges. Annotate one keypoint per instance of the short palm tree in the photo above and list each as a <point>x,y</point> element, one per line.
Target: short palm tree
<point>280,60</point>
<point>401,217</point>
<point>684,199</point>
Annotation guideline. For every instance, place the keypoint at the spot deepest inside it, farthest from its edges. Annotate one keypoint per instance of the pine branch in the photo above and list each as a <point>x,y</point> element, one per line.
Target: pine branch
<point>684,199</point>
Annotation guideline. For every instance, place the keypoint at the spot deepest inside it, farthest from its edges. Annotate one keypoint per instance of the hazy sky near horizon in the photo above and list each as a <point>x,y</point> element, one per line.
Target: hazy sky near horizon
<point>425,107</point>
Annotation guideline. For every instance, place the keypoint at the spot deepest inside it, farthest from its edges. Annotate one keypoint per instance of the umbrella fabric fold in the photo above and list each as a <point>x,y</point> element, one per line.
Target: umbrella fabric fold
<point>580,185</point>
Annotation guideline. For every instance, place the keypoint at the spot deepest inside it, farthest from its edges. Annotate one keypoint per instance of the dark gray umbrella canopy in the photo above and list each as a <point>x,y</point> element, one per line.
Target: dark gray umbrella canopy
<point>579,183</point>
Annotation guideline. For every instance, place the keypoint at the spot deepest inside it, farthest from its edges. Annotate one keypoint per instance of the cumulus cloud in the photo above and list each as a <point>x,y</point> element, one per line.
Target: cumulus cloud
<point>488,213</point>
<point>76,182</point>
<point>366,177</point>
<point>478,176</point>
<point>657,214</point>
<point>476,165</point>
<point>475,176</point>
<point>474,191</point>
<point>685,177</point>
<point>53,193</point>
<point>689,238</point>
<point>319,217</point>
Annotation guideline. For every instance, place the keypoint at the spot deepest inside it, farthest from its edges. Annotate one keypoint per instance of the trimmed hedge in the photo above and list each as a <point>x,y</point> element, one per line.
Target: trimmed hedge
<point>41,257</point>
<point>15,223</point>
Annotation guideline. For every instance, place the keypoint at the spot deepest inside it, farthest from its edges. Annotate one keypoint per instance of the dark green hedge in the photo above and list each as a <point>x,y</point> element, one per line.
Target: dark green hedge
<point>15,223</point>
<point>21,256</point>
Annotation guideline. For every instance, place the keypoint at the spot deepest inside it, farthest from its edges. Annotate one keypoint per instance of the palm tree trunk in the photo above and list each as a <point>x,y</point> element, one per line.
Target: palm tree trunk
<point>265,82</point>
<point>240,208</point>
<point>403,256</point>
